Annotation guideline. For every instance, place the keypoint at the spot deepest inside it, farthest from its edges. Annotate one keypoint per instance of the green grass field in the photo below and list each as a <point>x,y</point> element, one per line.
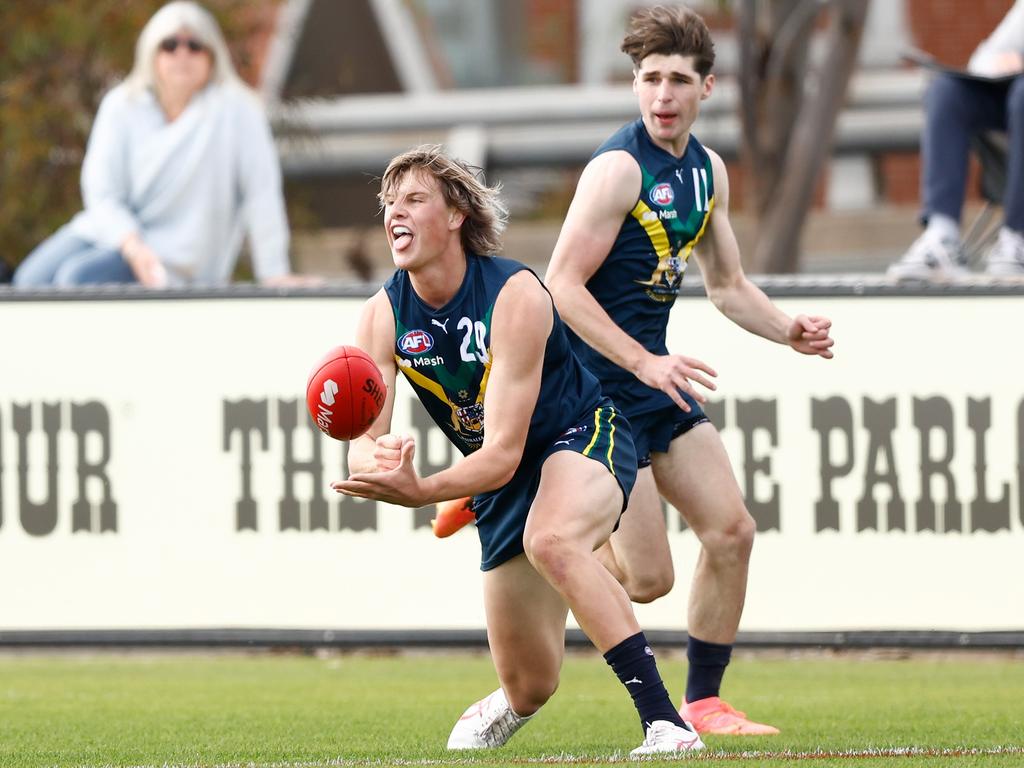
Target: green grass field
<point>283,710</point>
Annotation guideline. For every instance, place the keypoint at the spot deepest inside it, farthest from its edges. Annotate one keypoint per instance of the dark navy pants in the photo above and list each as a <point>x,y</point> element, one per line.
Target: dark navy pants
<point>955,109</point>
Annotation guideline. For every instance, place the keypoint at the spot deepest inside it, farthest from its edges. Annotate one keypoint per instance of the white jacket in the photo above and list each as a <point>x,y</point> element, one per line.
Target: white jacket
<point>191,188</point>
<point>1007,37</point>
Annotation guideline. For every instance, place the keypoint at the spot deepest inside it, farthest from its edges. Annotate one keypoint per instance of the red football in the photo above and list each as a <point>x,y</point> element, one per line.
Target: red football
<point>345,393</point>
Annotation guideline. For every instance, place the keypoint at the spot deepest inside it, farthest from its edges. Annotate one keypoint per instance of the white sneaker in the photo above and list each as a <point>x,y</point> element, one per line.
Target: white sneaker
<point>487,724</point>
<point>930,257</point>
<point>1006,259</point>
<point>663,736</point>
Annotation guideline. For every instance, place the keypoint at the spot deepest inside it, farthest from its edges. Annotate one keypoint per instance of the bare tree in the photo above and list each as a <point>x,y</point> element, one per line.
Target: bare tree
<point>789,108</point>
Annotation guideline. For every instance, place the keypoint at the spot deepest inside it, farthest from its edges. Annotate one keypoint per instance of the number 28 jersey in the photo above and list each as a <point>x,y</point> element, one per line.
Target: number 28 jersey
<point>445,354</point>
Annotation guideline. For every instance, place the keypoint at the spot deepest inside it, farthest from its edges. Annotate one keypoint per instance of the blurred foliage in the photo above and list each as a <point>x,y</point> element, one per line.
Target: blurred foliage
<point>61,57</point>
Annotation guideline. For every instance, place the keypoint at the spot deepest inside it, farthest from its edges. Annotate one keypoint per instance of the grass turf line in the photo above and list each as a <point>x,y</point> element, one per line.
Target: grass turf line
<point>268,710</point>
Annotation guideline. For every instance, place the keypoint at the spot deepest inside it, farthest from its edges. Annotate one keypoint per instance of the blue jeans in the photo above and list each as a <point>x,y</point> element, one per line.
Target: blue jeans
<point>65,260</point>
<point>956,109</point>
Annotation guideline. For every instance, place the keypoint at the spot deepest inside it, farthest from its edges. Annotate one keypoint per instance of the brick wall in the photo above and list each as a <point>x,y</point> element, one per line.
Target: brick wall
<point>552,36</point>
<point>951,29</point>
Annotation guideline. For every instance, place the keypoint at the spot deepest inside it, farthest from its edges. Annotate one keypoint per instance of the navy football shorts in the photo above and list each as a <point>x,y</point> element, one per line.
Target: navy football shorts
<point>604,436</point>
<point>653,431</point>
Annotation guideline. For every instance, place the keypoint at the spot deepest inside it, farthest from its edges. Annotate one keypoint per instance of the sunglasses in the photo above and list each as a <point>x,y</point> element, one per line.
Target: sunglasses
<point>170,44</point>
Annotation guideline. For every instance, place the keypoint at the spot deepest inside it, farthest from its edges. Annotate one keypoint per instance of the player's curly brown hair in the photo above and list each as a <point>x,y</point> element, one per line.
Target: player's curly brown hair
<point>666,30</point>
<point>463,189</point>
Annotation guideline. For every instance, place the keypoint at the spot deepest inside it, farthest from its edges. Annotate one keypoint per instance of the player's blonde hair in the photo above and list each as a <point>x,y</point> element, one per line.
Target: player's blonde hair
<point>463,190</point>
<point>664,30</point>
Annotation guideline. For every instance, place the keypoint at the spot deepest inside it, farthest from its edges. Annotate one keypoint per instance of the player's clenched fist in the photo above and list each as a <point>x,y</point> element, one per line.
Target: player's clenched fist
<point>388,451</point>
<point>810,336</point>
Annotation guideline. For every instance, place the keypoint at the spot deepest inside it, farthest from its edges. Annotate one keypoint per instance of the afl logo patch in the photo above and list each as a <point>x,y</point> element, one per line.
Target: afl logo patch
<point>662,194</point>
<point>416,342</point>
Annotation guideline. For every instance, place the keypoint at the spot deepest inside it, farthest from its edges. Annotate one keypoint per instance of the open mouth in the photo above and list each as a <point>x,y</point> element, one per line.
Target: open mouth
<point>400,237</point>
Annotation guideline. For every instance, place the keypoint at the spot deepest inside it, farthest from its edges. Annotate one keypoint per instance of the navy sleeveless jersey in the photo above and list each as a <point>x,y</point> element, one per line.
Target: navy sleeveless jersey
<point>639,281</point>
<point>446,356</point>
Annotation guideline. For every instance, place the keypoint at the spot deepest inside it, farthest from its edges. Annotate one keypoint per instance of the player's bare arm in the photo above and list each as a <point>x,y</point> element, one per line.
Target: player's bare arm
<point>606,193</point>
<point>738,298</point>
<point>376,449</point>
<point>517,348</point>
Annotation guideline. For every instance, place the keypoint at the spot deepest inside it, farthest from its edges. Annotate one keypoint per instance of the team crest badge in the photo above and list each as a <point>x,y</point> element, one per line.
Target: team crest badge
<point>471,417</point>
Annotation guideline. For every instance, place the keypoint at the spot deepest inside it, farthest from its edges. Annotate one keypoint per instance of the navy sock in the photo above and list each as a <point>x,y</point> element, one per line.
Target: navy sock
<point>707,665</point>
<point>632,661</point>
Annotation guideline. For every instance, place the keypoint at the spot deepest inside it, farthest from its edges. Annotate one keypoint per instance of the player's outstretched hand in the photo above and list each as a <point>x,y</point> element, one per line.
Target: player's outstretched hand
<point>400,485</point>
<point>675,373</point>
<point>810,336</point>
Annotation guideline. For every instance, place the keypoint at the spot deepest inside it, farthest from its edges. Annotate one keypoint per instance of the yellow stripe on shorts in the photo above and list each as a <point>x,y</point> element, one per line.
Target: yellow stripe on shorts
<point>611,443</point>
<point>597,434</point>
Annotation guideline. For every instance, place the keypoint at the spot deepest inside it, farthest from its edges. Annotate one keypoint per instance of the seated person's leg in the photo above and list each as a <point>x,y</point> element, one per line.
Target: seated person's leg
<point>951,117</point>
<point>39,268</point>
<point>1007,257</point>
<point>955,109</point>
<point>95,267</point>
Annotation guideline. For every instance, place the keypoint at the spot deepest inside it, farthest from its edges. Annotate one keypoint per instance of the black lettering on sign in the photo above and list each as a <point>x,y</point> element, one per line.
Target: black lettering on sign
<point>252,416</point>
<point>827,416</point>
<point>92,418</point>
<point>931,414</point>
<point>751,416</point>
<point>37,518</point>
<point>90,423</point>
<point>289,508</point>
<point>352,514</point>
<point>715,411</point>
<point>245,417</point>
<point>422,423</point>
<point>986,514</point>
<point>880,421</point>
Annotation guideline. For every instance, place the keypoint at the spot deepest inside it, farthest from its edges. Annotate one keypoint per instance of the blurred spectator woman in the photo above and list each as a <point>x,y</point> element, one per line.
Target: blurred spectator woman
<point>179,166</point>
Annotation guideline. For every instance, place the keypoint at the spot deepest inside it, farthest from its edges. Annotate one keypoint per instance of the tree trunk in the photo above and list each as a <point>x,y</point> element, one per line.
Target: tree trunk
<point>788,128</point>
<point>772,88</point>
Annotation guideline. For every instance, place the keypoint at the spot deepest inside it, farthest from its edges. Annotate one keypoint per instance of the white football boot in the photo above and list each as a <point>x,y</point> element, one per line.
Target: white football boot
<point>486,724</point>
<point>664,737</point>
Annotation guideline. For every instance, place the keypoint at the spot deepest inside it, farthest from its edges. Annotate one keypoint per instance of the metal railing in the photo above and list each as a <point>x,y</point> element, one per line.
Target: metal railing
<point>557,125</point>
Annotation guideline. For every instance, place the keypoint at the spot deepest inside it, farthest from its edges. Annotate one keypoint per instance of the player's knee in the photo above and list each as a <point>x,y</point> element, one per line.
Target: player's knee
<point>733,539</point>
<point>648,587</point>
<point>527,693</point>
<point>549,553</point>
